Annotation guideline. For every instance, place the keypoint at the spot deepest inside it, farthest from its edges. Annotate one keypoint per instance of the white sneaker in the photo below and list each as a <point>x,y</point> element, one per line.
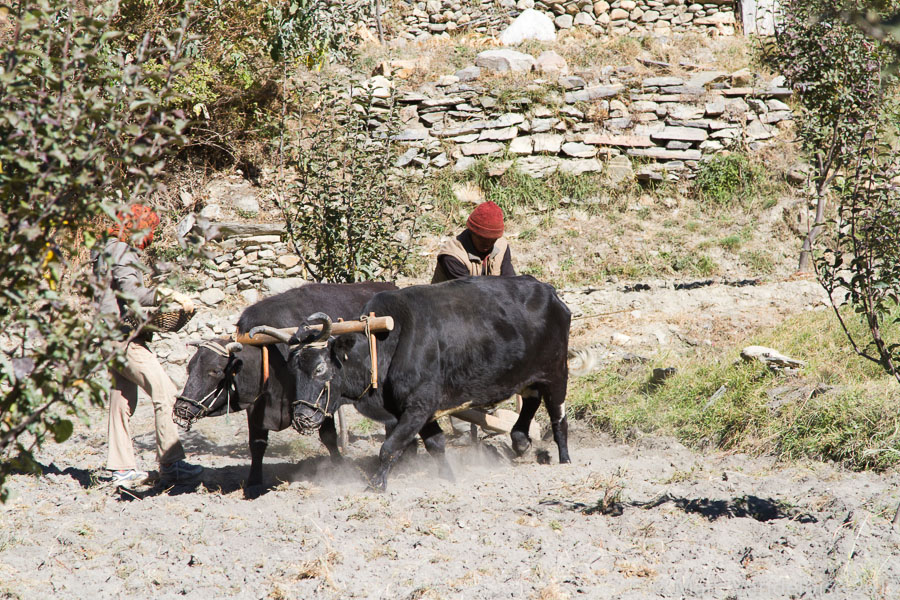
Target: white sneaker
<point>129,476</point>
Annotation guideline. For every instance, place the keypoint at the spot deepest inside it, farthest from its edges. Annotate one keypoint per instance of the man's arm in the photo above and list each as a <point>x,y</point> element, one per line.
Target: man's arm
<point>452,267</point>
<point>128,277</point>
<point>506,267</point>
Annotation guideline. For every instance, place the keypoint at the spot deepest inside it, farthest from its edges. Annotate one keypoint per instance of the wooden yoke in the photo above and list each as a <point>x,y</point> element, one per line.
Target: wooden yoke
<point>376,324</point>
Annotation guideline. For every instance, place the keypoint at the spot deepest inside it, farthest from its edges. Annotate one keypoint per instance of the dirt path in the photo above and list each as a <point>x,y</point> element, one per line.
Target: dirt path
<point>686,525</point>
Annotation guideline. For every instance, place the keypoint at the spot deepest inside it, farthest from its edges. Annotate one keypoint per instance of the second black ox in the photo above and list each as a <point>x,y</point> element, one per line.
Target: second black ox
<point>472,342</point>
<point>224,376</point>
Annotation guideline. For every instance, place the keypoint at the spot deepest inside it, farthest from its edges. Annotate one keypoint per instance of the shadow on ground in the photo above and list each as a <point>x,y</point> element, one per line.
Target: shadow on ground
<point>753,507</point>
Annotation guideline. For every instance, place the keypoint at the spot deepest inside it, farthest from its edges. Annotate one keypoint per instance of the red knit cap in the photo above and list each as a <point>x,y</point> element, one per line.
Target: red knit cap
<point>138,218</point>
<point>486,220</point>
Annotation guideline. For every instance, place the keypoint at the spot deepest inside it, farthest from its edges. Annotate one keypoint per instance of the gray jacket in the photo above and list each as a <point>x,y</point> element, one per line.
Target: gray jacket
<point>120,268</point>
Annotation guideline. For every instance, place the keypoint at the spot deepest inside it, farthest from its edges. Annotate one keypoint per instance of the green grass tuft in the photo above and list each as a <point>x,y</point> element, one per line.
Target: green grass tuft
<point>840,407</point>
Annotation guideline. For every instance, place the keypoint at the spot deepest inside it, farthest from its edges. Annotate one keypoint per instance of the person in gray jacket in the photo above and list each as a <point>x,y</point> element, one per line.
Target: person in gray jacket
<point>119,266</point>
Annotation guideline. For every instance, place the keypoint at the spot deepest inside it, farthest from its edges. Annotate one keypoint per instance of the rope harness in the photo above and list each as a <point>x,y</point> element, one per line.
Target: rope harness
<point>304,424</point>
<point>226,385</point>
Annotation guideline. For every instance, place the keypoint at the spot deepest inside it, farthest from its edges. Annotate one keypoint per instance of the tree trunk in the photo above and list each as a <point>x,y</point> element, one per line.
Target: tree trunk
<point>806,250</point>
<point>378,22</point>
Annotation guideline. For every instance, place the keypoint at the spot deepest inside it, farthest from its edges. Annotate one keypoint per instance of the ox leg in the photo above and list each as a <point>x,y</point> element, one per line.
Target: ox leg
<point>555,402</point>
<point>531,400</point>
<point>395,443</point>
<point>410,452</point>
<point>259,441</point>
<point>328,435</point>
<point>435,443</point>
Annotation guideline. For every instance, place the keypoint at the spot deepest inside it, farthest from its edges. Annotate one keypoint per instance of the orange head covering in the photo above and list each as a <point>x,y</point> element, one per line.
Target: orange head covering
<point>136,219</point>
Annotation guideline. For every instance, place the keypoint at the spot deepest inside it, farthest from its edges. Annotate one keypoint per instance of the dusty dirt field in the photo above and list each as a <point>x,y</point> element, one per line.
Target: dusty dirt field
<point>679,525</point>
<point>648,520</point>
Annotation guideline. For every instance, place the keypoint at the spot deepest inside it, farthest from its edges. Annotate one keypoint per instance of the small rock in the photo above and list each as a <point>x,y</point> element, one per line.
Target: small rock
<point>470,73</point>
<point>620,339</point>
<point>250,296</point>
<point>464,164</point>
<point>505,60</point>
<point>481,148</point>
<point>571,82</point>
<point>579,150</point>
<point>549,143</point>
<point>288,260</point>
<point>741,78</point>
<point>564,21</point>
<point>551,62</point>
<point>212,296</point>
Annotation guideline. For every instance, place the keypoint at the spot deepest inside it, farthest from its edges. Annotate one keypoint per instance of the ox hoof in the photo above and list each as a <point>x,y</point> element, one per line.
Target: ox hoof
<point>520,442</point>
<point>252,492</point>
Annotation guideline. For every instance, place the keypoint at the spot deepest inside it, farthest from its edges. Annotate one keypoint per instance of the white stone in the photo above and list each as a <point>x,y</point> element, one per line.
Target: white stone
<point>551,62</point>
<point>618,170</point>
<point>464,164</point>
<point>580,166</point>
<point>213,212</point>
<point>538,166</point>
<point>620,339</point>
<point>758,131</point>
<point>504,60</point>
<point>212,296</point>
<point>481,148</point>
<point>250,296</point>
<point>564,21</point>
<point>507,133</point>
<point>683,134</point>
<point>584,19</point>
<point>547,143</point>
<point>521,145</point>
<point>530,25</point>
<point>288,260</point>
<point>579,150</point>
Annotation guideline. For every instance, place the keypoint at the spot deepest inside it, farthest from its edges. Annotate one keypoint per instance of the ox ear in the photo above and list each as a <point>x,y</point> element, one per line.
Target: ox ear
<point>235,365</point>
<point>340,348</point>
<point>303,335</point>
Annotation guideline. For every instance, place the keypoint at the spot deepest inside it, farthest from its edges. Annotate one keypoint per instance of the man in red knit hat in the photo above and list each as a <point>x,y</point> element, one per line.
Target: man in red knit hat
<point>479,250</point>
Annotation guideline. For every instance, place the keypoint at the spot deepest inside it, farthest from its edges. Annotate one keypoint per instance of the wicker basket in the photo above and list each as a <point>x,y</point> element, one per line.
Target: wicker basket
<point>165,321</point>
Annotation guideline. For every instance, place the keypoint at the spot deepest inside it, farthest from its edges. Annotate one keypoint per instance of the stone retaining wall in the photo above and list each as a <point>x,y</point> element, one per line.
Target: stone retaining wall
<point>409,20</point>
<point>667,124</point>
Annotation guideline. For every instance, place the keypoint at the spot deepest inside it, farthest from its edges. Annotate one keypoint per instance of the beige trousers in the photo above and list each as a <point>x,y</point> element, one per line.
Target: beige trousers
<point>141,369</point>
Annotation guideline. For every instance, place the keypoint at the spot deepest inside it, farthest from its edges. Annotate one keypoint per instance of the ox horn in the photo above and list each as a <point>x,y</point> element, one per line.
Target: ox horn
<point>271,331</point>
<point>233,347</point>
<point>326,325</point>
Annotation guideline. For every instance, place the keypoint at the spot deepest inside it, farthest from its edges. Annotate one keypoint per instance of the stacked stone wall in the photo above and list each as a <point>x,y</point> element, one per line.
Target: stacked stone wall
<point>424,19</point>
<point>665,125</point>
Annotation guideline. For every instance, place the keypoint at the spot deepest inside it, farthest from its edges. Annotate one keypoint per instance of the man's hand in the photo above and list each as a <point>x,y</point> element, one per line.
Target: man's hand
<point>170,295</point>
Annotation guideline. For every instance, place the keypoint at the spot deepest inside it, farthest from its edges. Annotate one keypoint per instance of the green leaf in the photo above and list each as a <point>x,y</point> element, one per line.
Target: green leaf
<point>62,430</point>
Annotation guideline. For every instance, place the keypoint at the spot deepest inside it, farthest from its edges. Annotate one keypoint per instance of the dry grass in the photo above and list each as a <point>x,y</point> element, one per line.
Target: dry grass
<point>551,592</point>
<point>635,570</point>
<point>320,567</point>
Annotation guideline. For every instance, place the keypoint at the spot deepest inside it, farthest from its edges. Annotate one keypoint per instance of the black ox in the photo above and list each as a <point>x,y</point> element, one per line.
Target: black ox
<point>225,377</point>
<point>471,342</point>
